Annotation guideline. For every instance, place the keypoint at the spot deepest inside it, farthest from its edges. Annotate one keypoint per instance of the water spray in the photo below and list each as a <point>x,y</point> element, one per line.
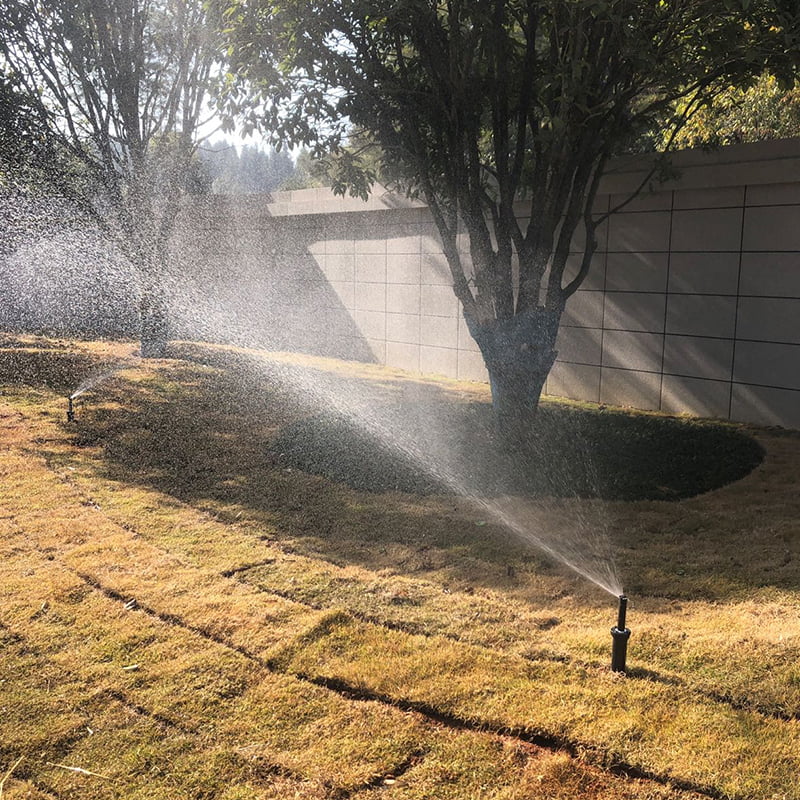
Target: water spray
<point>620,635</point>
<point>89,383</point>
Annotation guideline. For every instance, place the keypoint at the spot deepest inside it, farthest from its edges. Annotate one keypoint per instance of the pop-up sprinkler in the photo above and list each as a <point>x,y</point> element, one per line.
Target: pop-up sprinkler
<point>620,635</point>
<point>70,409</point>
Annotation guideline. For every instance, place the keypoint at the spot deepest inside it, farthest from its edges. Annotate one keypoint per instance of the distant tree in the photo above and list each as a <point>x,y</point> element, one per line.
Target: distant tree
<point>309,173</point>
<point>281,169</point>
<point>765,110</point>
<point>23,133</point>
<point>220,163</point>
<point>24,148</point>
<point>500,111</point>
<point>249,171</point>
<point>121,86</point>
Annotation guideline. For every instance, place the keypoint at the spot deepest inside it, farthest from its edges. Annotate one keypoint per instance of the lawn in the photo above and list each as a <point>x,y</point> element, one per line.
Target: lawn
<point>218,583</point>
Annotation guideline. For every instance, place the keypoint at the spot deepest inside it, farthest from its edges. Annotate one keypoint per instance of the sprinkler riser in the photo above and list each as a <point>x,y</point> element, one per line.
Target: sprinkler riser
<point>619,638</point>
<point>619,648</point>
<point>70,411</point>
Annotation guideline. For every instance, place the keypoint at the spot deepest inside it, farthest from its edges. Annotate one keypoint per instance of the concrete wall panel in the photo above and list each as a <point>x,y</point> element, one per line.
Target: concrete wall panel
<point>402,355</point>
<point>640,232</point>
<point>698,357</point>
<point>701,315</point>
<point>634,311</point>
<point>579,345</point>
<point>633,350</point>
<point>435,270</point>
<point>772,228</point>
<point>576,381</point>
<point>439,301</point>
<point>765,405</point>
<point>370,267</point>
<point>471,367</point>
<point>584,310</point>
<point>768,364</point>
<point>637,272</point>
<point>438,361</point>
<point>403,298</point>
<point>370,296</point>
<point>339,266</point>
<point>438,331</point>
<point>624,387</point>
<point>403,268</point>
<point>595,278</point>
<point>704,230</point>
<point>704,273</point>
<point>770,274</point>
<point>701,398</point>
<point>769,319</point>
<point>372,324</point>
<point>402,328</point>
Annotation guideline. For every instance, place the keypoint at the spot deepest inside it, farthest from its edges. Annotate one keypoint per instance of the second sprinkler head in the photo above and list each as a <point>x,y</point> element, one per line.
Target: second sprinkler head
<point>619,637</point>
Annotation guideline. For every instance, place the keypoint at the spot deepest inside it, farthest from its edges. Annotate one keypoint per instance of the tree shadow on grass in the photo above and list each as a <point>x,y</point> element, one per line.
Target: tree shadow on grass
<point>257,442</point>
<point>436,446</point>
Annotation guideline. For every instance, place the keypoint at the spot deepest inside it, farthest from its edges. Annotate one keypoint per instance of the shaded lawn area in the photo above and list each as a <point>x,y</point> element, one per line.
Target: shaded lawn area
<point>212,589</point>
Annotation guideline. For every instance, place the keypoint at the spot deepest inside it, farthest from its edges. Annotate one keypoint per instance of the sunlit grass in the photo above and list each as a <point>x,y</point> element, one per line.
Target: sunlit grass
<point>187,613</point>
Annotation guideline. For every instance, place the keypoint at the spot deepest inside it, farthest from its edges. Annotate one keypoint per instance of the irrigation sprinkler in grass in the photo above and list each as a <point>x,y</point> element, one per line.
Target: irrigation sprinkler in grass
<point>89,383</point>
<point>619,638</point>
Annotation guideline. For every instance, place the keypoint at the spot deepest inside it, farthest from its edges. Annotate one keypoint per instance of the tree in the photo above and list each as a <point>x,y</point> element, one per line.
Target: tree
<point>23,134</point>
<point>121,86</point>
<point>765,110</point>
<point>251,171</point>
<point>498,112</point>
<point>309,173</point>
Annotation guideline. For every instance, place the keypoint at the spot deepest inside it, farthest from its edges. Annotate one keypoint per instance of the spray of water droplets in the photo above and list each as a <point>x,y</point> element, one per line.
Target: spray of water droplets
<point>62,277</point>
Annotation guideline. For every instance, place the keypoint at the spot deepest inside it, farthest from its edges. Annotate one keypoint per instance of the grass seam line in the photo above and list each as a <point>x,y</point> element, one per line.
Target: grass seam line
<point>415,629</point>
<point>429,713</point>
<point>544,741</point>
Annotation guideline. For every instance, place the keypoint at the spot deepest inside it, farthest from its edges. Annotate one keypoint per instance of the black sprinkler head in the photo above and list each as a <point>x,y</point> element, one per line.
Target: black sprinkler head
<point>70,411</point>
<point>620,635</point>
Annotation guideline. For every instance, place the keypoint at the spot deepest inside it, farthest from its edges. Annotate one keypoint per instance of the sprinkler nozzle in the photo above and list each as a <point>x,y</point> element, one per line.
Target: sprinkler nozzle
<point>70,410</point>
<point>620,635</point>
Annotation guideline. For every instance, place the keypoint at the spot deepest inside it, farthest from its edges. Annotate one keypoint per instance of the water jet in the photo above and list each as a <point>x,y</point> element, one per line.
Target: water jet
<point>619,636</point>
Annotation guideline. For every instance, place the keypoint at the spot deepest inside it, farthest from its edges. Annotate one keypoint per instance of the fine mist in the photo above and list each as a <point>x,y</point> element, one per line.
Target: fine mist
<point>241,276</point>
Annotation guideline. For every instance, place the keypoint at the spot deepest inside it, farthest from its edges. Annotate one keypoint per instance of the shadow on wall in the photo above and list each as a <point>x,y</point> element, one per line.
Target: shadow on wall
<point>245,279</point>
<point>241,276</point>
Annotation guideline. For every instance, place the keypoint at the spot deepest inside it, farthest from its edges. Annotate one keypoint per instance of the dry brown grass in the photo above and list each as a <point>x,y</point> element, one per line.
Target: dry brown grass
<point>294,637</point>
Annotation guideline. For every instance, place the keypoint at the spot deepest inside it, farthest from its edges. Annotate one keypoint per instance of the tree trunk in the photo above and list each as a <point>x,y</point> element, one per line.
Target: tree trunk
<point>519,353</point>
<point>154,324</point>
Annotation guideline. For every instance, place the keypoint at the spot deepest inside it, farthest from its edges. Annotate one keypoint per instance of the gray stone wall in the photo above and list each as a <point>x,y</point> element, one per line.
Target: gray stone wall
<point>692,304</point>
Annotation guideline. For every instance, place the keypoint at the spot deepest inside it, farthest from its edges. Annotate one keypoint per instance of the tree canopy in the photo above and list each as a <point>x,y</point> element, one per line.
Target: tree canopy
<point>502,114</point>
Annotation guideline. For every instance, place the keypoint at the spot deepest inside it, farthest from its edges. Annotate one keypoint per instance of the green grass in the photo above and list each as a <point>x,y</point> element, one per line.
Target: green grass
<point>302,627</point>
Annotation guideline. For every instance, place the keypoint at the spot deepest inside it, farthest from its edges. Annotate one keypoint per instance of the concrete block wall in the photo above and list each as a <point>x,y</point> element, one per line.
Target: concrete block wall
<point>692,303</point>
<point>398,290</point>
